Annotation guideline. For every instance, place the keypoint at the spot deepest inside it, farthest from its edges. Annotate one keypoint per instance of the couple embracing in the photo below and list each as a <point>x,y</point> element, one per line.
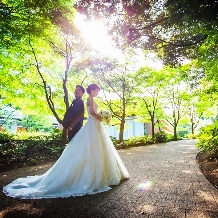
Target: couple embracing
<point>89,164</point>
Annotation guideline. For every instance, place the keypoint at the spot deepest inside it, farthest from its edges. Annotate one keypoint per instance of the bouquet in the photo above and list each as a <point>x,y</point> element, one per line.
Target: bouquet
<point>105,116</point>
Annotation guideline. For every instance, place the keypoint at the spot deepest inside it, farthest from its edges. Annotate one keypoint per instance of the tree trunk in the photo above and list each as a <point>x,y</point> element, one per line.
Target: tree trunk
<point>121,130</point>
<point>159,125</point>
<point>193,130</point>
<point>152,127</point>
<point>64,137</point>
<point>174,132</point>
<point>174,125</point>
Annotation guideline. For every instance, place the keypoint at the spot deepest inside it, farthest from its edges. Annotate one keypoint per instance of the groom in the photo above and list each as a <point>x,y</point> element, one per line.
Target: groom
<point>73,118</point>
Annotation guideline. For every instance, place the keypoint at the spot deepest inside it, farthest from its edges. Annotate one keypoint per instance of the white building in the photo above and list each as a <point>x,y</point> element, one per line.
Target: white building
<point>132,129</point>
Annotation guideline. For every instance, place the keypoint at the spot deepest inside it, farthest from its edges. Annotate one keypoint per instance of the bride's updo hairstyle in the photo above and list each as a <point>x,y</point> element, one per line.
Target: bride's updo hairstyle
<point>92,87</point>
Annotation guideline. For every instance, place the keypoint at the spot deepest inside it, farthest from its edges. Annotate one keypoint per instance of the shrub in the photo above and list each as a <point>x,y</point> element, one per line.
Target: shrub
<point>25,146</point>
<point>149,140</point>
<point>122,145</point>
<point>5,136</point>
<point>191,136</point>
<point>54,135</point>
<point>140,140</point>
<point>208,138</point>
<point>136,141</point>
<point>24,150</point>
<point>160,137</point>
<point>131,142</point>
<point>171,137</point>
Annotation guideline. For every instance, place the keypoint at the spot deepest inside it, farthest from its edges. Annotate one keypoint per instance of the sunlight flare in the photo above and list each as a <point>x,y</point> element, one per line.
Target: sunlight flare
<point>95,34</point>
<point>144,186</point>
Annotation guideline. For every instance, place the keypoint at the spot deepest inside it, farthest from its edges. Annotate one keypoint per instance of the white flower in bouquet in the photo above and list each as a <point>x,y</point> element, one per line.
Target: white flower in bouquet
<point>105,116</point>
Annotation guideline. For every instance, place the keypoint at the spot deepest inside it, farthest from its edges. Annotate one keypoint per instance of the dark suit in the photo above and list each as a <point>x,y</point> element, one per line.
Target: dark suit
<point>74,117</point>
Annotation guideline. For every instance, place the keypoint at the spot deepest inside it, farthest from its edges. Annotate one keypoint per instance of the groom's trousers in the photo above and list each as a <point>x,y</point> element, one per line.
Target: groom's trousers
<point>72,133</point>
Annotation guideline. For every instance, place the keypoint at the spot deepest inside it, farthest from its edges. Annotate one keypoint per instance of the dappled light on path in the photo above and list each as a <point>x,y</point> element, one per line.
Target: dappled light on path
<point>144,186</point>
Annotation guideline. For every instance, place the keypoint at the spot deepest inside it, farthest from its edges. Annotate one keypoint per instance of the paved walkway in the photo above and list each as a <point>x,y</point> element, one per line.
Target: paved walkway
<point>177,188</point>
<point>165,182</point>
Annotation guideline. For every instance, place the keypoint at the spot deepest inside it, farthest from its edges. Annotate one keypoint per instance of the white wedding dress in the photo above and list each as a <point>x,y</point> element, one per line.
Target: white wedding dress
<point>88,165</point>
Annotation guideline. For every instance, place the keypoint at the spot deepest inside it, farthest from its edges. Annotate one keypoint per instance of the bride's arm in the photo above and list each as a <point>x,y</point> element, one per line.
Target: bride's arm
<point>91,109</point>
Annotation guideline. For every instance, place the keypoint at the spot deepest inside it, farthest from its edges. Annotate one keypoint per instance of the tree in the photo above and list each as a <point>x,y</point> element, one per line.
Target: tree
<point>20,18</point>
<point>37,123</point>
<point>150,84</point>
<point>7,113</point>
<point>173,29</point>
<point>177,98</point>
<point>194,118</point>
<point>20,85</point>
<point>117,82</point>
<point>60,38</point>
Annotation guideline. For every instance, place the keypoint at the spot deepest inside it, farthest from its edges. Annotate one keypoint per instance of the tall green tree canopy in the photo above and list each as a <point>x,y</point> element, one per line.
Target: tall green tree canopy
<point>38,43</point>
<point>20,18</point>
<point>175,29</point>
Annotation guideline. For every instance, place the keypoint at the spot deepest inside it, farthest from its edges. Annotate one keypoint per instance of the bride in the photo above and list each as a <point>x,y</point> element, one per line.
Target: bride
<point>88,165</point>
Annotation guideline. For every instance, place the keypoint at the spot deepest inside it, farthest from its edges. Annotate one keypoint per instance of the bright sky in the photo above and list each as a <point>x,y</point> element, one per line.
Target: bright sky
<point>95,33</point>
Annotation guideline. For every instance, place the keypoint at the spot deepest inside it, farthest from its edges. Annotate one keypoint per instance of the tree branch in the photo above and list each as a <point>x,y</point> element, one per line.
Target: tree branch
<point>49,101</point>
<point>176,44</point>
<point>149,25</point>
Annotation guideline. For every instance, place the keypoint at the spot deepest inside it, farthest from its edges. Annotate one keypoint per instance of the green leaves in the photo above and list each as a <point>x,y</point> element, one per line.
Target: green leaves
<point>209,138</point>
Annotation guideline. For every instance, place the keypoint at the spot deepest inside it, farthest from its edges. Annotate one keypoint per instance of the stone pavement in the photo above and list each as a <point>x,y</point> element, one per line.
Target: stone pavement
<point>165,182</point>
<point>173,183</point>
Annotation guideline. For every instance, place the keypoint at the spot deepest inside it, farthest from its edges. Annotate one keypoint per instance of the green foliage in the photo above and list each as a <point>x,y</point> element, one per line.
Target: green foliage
<point>132,142</point>
<point>208,138</point>
<point>37,123</point>
<point>150,140</point>
<point>118,81</point>
<point>171,137</point>
<point>5,136</point>
<point>54,135</point>
<point>160,137</point>
<point>150,86</point>
<point>192,12</point>
<point>24,150</point>
<point>143,140</point>
<point>137,141</point>
<point>26,146</point>
<point>175,29</point>
<point>39,26</point>
<point>19,18</point>
<point>191,136</point>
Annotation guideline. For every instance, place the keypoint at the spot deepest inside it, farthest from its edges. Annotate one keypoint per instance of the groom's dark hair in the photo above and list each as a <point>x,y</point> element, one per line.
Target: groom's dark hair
<point>83,90</point>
